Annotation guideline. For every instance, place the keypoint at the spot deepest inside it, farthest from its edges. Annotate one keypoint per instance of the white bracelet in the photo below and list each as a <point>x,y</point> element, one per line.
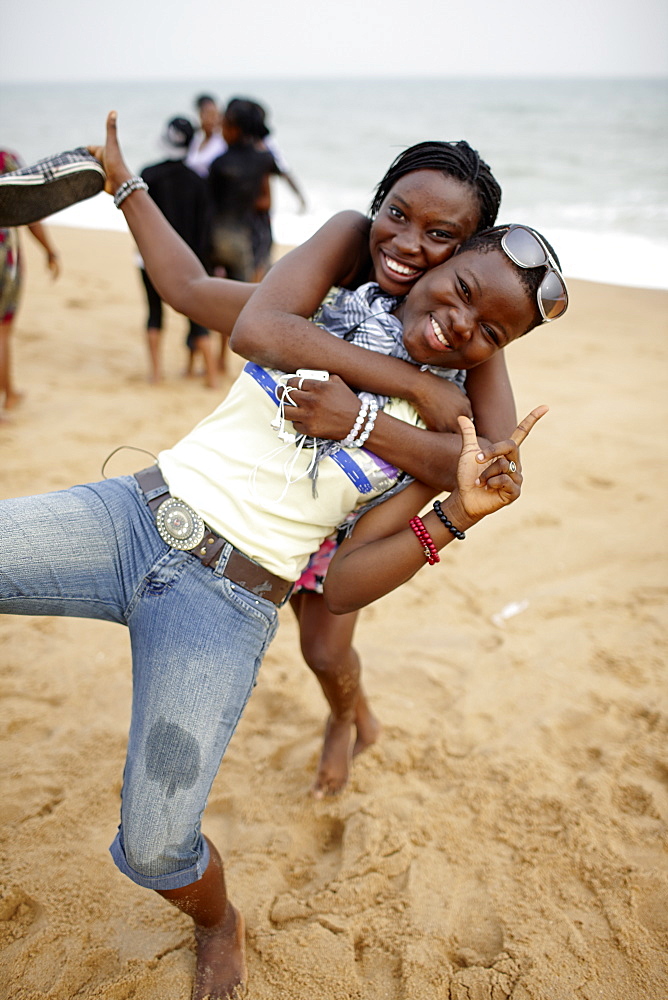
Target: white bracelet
<point>364,436</point>
<point>127,187</point>
<point>349,441</point>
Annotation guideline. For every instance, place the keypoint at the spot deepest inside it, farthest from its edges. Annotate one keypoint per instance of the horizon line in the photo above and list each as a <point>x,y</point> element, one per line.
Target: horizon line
<point>285,78</point>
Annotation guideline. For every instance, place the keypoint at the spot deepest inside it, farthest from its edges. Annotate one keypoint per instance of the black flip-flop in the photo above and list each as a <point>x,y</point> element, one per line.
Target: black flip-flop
<point>51,184</point>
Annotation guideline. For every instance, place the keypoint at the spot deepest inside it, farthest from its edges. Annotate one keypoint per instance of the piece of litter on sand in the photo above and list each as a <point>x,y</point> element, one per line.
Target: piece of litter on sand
<point>510,610</point>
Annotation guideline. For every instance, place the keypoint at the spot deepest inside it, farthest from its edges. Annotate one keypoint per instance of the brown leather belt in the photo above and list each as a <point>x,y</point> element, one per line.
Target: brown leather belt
<point>238,568</point>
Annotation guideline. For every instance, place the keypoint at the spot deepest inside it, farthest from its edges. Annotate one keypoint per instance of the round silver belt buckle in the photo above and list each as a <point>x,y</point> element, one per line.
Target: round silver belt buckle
<point>179,525</point>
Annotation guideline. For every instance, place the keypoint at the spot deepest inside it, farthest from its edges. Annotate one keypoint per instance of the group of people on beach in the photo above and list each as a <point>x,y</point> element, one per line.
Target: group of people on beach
<point>375,382</point>
<point>213,186</point>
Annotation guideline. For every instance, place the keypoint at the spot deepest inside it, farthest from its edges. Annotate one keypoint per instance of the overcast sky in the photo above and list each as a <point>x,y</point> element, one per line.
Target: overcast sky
<point>190,39</point>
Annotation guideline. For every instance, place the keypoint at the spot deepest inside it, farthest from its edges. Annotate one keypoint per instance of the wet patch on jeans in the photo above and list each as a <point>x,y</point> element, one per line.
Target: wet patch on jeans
<point>172,756</point>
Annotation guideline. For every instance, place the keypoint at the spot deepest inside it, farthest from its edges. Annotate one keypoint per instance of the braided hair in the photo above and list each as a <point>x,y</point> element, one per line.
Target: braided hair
<point>454,159</point>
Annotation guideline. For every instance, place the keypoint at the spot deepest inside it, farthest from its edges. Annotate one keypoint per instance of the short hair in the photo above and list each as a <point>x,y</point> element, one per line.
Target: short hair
<point>248,116</point>
<point>530,277</point>
<point>454,159</point>
<point>203,99</point>
<point>256,119</point>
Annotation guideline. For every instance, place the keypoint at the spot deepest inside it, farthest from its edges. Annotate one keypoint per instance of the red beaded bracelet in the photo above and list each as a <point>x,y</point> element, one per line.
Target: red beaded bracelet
<point>425,540</point>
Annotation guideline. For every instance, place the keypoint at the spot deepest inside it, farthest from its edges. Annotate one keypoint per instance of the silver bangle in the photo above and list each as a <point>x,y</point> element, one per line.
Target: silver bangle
<point>364,436</point>
<point>349,441</point>
<point>127,187</point>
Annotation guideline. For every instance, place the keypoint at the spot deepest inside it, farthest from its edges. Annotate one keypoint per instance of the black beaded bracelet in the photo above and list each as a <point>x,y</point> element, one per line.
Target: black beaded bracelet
<point>449,525</point>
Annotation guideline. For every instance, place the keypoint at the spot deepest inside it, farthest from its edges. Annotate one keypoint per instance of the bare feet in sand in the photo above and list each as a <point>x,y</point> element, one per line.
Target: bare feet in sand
<point>338,748</point>
<point>221,959</point>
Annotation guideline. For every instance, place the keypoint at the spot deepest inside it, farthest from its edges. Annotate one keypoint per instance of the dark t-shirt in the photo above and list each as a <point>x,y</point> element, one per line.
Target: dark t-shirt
<point>235,183</point>
<point>183,198</point>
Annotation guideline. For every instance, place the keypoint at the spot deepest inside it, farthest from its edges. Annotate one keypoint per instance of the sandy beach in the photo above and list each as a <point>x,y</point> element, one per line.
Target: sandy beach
<point>507,837</point>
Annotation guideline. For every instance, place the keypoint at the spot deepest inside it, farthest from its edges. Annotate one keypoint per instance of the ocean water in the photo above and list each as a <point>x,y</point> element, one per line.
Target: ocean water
<point>584,161</point>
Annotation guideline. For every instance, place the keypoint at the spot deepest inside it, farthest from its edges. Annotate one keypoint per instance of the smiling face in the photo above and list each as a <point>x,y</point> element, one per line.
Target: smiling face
<point>420,224</point>
<point>462,312</point>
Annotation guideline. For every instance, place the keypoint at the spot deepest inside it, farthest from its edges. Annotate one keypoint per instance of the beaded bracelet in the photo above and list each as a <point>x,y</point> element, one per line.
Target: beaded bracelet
<point>425,540</point>
<point>368,427</point>
<point>449,525</point>
<point>127,187</point>
<point>349,441</point>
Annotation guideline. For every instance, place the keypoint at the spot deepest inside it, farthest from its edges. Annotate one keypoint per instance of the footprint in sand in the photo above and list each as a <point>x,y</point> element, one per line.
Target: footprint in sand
<point>18,912</point>
<point>458,911</point>
<point>651,900</point>
<point>473,929</point>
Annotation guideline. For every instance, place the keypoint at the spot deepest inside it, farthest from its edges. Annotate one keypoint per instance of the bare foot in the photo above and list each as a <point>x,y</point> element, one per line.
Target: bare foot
<point>368,726</point>
<point>335,758</point>
<point>221,972</point>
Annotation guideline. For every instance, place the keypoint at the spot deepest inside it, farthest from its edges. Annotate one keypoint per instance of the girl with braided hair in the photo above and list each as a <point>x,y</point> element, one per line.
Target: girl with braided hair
<point>434,196</point>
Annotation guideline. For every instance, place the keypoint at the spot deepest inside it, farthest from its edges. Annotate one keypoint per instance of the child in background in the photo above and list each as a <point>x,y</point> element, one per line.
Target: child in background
<point>207,142</point>
<point>238,180</point>
<point>10,286</point>
<point>235,182</point>
<point>262,238</point>
<point>183,199</point>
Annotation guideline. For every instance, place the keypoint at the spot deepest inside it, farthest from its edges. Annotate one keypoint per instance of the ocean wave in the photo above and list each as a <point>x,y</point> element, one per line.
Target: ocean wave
<point>613,257</point>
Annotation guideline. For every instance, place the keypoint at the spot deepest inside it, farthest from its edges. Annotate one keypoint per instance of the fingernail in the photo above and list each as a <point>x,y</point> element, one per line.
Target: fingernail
<point>480,456</point>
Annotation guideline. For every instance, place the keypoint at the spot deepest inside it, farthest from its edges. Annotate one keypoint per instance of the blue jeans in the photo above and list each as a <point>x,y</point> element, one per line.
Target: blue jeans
<point>197,643</point>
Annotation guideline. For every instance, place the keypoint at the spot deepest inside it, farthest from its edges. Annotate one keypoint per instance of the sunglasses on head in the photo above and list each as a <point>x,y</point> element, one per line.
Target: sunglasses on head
<point>526,249</point>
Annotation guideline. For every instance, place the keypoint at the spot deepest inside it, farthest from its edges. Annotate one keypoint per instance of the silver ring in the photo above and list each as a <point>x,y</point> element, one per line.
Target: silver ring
<point>512,467</point>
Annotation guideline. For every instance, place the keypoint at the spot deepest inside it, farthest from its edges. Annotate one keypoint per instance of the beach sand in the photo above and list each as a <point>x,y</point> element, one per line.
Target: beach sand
<point>507,836</point>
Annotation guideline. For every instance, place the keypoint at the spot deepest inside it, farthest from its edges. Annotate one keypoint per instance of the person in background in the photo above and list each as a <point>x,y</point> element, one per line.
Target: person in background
<point>183,199</point>
<point>237,181</point>
<point>262,234</point>
<point>207,142</point>
<point>10,286</point>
